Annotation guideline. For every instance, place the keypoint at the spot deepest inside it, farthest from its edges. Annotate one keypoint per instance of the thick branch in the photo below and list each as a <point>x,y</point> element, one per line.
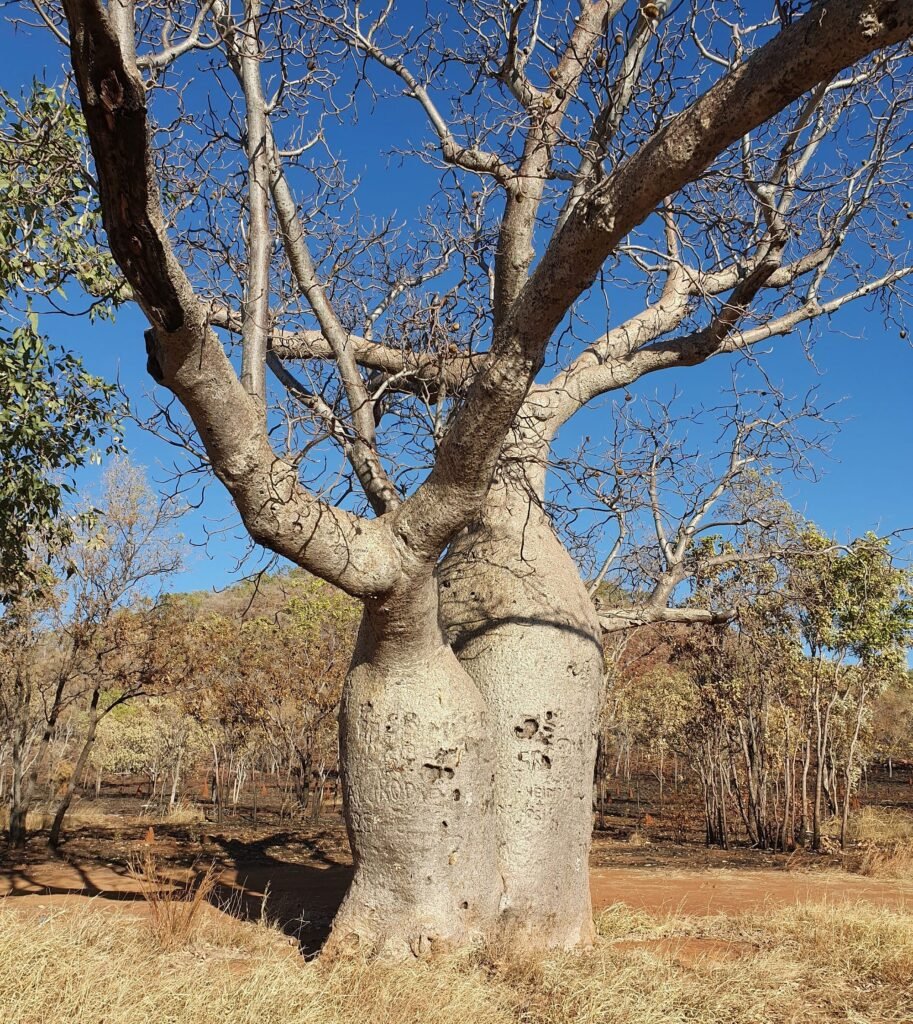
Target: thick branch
<point>255,329</point>
<point>184,354</point>
<point>422,372</point>
<point>515,249</point>
<point>616,361</point>
<point>830,37</point>
<point>613,620</point>
<point>617,103</point>
<point>808,51</point>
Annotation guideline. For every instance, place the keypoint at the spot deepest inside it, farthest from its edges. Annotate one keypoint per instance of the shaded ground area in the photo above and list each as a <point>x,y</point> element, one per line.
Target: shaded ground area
<point>296,878</point>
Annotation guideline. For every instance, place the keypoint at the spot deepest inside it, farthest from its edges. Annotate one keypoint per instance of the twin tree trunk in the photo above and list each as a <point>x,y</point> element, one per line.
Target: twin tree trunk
<point>468,746</point>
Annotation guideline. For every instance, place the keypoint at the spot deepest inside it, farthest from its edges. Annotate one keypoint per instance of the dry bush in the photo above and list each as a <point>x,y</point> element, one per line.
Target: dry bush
<point>803,965</point>
<point>184,812</point>
<point>883,838</point>
<point>890,860</point>
<point>175,908</point>
<point>36,819</point>
<point>880,825</point>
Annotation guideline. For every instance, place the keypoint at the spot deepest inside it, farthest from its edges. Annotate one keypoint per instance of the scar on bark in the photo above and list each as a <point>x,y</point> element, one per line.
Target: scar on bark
<point>535,758</point>
<point>530,728</point>
<point>153,367</point>
<point>440,771</point>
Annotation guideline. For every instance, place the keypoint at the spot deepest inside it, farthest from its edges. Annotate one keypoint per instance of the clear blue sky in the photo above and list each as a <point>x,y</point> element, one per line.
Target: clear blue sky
<point>867,484</point>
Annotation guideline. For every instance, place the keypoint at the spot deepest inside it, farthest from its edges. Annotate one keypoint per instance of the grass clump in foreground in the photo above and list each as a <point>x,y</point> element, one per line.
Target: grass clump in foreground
<point>805,964</point>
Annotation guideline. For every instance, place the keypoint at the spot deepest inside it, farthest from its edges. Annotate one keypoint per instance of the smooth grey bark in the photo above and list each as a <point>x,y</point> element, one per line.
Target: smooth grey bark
<point>523,626</point>
<point>418,767</point>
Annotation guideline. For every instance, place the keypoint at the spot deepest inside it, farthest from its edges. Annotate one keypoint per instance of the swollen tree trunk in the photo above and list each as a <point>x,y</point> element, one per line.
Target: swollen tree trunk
<point>417,766</point>
<point>523,626</point>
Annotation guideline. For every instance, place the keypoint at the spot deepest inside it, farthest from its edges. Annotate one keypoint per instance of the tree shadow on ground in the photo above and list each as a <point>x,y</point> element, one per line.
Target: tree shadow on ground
<point>301,898</point>
<point>254,882</point>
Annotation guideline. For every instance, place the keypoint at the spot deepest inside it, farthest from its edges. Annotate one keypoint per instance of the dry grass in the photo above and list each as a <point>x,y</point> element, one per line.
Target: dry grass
<point>883,843</point>
<point>638,838</point>
<point>184,812</point>
<point>81,812</point>
<point>86,812</point>
<point>803,965</point>
<point>880,825</point>
<point>36,819</point>
<point>888,860</point>
<point>175,908</point>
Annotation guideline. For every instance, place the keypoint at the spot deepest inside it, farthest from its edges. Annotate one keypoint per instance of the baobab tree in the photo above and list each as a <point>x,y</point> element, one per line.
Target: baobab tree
<point>621,189</point>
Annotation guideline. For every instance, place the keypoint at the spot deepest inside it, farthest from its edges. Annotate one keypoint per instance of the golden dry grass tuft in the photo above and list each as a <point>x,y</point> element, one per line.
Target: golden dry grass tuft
<point>175,908</point>
<point>880,825</point>
<point>802,965</point>
<point>883,843</point>
<point>183,812</point>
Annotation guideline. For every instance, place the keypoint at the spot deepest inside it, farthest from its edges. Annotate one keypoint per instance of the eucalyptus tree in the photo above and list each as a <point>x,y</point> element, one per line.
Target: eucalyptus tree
<point>87,638</point>
<point>856,617</point>
<point>112,633</point>
<point>55,416</point>
<point>620,189</point>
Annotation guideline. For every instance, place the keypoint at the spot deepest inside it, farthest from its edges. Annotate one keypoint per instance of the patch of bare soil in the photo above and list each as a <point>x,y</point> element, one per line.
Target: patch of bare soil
<point>661,893</point>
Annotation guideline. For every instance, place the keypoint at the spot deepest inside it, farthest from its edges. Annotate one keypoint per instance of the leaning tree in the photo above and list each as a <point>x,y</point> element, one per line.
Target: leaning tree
<point>618,189</point>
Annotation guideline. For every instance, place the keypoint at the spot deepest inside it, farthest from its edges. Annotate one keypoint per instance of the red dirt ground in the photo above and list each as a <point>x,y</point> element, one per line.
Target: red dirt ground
<point>315,889</point>
<point>645,858</point>
<point>303,881</point>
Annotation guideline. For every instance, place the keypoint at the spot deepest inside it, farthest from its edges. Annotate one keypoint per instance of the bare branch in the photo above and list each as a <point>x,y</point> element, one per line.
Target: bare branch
<point>184,354</point>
